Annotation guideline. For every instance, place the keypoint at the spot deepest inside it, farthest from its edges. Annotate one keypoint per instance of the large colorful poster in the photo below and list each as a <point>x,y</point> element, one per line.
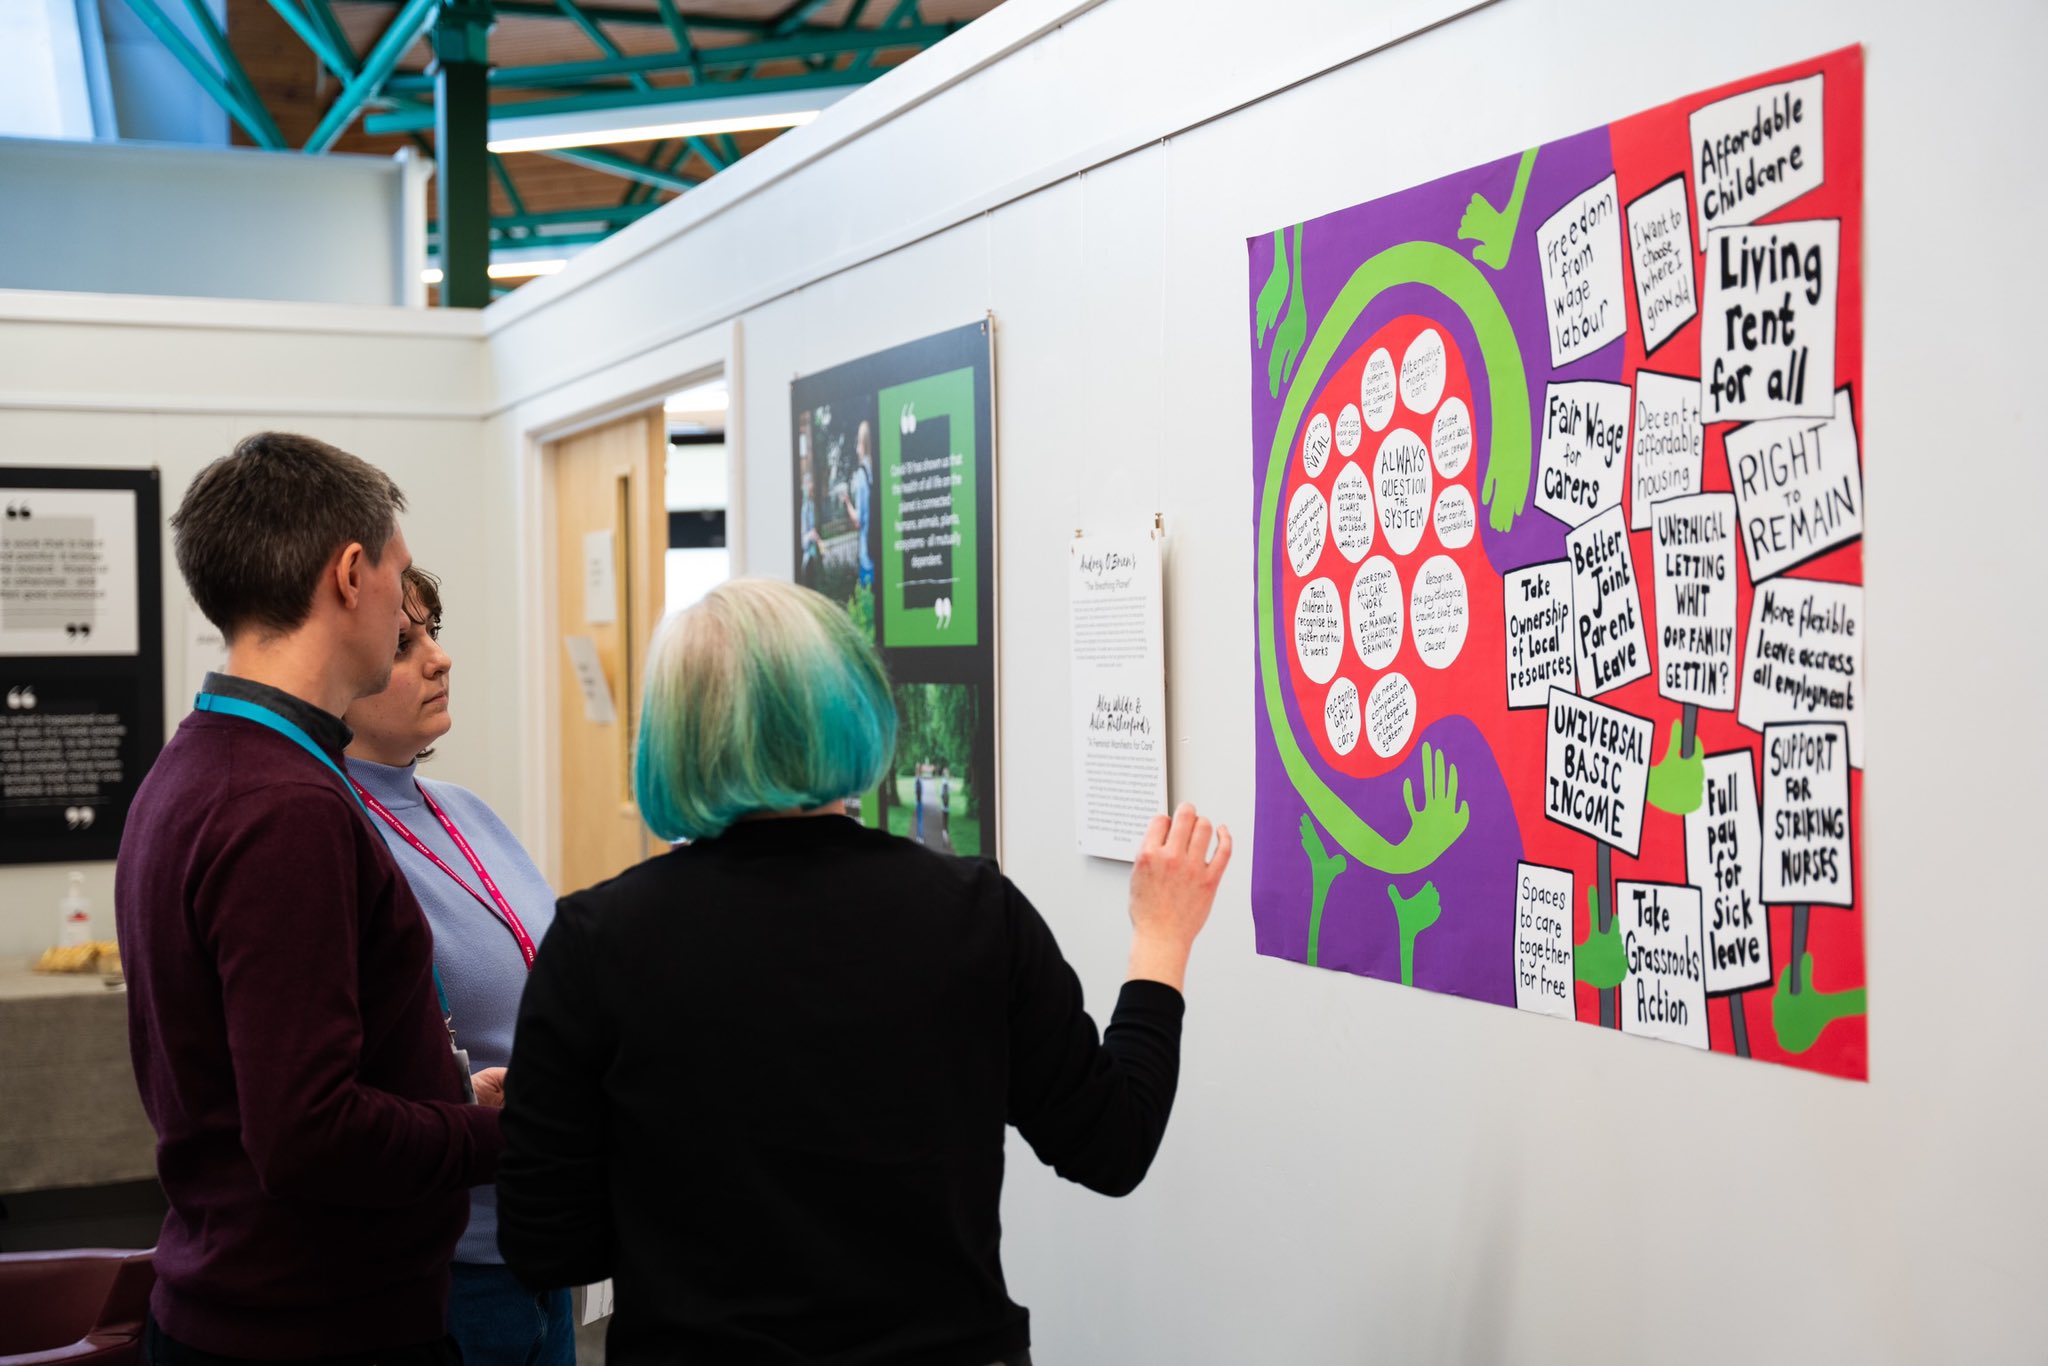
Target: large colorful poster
<point>1558,486</point>
<point>895,519</point>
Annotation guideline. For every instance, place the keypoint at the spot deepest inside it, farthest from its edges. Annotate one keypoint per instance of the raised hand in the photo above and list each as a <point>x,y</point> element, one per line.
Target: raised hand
<point>1274,292</point>
<point>1798,1020</point>
<point>1600,960</point>
<point>1415,914</point>
<point>1324,868</point>
<point>1494,229</point>
<point>1678,784</point>
<point>1436,824</point>
<point>1292,333</point>
<point>1173,887</point>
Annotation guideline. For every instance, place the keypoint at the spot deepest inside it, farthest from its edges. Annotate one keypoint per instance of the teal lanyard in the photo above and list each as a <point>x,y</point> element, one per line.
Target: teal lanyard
<point>292,731</point>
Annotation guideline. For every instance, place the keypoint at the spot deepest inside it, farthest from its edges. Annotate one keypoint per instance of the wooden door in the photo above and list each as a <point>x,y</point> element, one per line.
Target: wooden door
<point>607,479</point>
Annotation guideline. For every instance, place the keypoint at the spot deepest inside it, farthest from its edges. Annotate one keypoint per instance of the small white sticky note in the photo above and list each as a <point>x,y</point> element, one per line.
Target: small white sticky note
<point>589,669</point>
<point>600,579</point>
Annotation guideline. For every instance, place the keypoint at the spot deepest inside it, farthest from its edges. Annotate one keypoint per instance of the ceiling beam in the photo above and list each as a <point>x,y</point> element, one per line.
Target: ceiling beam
<point>680,31</point>
<point>340,60</point>
<point>504,178</point>
<point>615,14</point>
<point>713,158</point>
<point>323,15</point>
<point>794,18</point>
<point>613,164</point>
<point>405,30</point>
<point>667,161</point>
<point>599,38</point>
<point>253,121</point>
<point>406,120</point>
<point>609,213</point>
<point>265,132</point>
<point>833,44</point>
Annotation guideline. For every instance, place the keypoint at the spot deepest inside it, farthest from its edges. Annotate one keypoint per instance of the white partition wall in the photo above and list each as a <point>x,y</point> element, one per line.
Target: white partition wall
<point>1357,1173</point>
<point>101,380</point>
<point>1354,1172</point>
<point>129,218</point>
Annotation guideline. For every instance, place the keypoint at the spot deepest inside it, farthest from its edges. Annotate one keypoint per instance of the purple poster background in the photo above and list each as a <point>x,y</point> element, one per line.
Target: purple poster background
<point>1471,947</point>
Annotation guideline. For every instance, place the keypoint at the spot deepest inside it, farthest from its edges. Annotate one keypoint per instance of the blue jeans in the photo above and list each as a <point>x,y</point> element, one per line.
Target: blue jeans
<point>499,1322</point>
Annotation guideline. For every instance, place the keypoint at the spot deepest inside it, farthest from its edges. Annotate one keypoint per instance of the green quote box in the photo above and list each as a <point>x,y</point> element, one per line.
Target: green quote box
<point>930,584</point>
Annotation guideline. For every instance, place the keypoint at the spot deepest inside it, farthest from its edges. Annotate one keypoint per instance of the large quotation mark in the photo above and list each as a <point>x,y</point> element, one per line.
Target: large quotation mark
<point>78,630</point>
<point>18,512</point>
<point>78,817</point>
<point>21,699</point>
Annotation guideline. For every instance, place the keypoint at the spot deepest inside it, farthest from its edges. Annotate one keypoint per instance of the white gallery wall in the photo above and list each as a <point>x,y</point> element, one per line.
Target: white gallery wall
<point>103,380</point>
<point>1354,1171</point>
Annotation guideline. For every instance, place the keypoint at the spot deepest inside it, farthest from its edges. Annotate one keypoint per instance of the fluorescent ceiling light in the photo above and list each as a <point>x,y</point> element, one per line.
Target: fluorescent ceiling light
<point>511,132</point>
<point>504,270</point>
<point>705,398</point>
<point>653,132</point>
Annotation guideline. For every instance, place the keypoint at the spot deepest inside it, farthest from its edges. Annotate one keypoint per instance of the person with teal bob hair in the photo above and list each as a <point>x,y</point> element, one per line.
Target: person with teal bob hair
<point>762,1081</point>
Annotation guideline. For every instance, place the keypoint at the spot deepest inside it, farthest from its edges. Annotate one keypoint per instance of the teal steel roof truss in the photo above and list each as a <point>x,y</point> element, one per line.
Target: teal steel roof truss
<point>390,101</point>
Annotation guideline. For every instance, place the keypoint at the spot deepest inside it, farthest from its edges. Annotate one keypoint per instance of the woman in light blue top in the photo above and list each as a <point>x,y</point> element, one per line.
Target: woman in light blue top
<point>489,907</point>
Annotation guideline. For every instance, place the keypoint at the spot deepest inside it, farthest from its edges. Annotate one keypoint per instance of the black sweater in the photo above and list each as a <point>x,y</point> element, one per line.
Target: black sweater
<point>761,1082</point>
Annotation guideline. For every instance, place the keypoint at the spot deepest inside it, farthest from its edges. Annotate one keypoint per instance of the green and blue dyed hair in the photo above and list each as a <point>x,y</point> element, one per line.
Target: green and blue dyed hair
<point>762,697</point>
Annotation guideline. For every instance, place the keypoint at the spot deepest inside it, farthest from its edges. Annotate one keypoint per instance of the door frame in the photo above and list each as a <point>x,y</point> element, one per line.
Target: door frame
<point>533,428</point>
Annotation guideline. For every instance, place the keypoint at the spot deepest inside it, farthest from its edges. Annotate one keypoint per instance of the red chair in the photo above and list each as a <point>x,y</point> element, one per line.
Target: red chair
<point>81,1306</point>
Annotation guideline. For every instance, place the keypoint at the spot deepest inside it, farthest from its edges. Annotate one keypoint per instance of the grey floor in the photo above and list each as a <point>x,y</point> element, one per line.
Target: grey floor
<point>590,1344</point>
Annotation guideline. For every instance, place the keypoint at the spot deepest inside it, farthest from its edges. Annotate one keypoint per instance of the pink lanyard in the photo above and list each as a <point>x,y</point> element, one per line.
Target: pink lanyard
<point>504,907</point>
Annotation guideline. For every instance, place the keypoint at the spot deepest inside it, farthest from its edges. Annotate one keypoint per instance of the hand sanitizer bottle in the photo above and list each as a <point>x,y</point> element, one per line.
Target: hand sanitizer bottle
<point>77,912</point>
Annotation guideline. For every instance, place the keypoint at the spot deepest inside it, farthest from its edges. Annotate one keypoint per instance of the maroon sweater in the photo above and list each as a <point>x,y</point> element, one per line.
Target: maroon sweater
<point>312,1138</point>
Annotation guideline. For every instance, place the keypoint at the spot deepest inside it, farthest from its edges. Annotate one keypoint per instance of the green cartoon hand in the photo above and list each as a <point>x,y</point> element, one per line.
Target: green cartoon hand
<point>1798,1020</point>
<point>1415,914</point>
<point>1324,868</point>
<point>1274,292</point>
<point>1485,225</point>
<point>1436,825</point>
<point>1678,784</point>
<point>1292,333</point>
<point>1600,960</point>
<point>1494,229</point>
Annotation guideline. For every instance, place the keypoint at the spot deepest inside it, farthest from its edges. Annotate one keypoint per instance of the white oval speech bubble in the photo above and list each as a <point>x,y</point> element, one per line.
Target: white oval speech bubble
<point>1315,445</point>
<point>1351,516</point>
<point>1376,613</point>
<point>1376,391</point>
<point>1307,519</point>
<point>1318,630</point>
<point>1400,486</point>
<point>1456,519</point>
<point>1349,430</point>
<point>1439,611</point>
<point>1422,372</point>
<point>1341,717</point>
<point>1390,714</point>
<point>1450,438</point>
